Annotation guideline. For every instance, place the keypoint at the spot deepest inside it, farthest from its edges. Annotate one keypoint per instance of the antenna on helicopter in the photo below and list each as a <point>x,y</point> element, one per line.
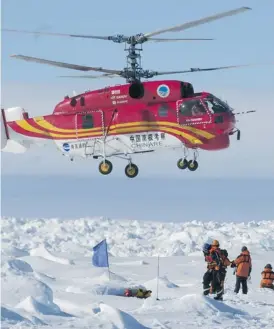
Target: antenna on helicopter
<point>133,72</point>
<point>245,112</point>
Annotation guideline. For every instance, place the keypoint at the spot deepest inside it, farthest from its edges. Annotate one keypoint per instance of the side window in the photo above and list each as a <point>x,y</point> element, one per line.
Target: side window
<point>87,121</point>
<point>163,110</point>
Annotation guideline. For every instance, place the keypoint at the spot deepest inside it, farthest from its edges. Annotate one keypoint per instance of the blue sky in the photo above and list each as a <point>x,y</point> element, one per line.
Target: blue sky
<point>244,38</point>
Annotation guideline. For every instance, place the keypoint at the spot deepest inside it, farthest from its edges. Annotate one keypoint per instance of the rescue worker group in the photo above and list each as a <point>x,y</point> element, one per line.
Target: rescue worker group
<point>217,263</point>
<point>214,278</point>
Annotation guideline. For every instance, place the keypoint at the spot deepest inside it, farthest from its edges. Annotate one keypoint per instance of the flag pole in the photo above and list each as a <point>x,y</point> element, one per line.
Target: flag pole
<point>108,261</point>
<point>158,278</point>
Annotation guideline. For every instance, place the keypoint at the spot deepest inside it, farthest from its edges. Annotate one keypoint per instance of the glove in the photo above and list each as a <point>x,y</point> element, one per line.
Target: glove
<point>233,265</point>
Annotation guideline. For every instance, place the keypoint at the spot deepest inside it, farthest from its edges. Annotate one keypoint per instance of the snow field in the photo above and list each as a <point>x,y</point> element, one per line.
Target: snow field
<point>47,277</point>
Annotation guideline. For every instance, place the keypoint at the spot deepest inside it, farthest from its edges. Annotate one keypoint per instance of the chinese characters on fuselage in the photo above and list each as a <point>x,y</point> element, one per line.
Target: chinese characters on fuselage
<point>78,146</point>
<point>150,140</point>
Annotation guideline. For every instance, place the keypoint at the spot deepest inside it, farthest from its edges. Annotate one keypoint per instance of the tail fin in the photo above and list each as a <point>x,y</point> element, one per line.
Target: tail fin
<point>8,143</point>
<point>4,130</point>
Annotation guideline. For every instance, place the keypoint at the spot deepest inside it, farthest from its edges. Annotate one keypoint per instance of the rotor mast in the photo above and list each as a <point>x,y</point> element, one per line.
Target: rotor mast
<point>134,66</point>
<point>133,70</point>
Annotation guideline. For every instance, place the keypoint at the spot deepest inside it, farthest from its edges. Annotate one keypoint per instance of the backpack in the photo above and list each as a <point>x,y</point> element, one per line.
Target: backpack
<point>224,256</point>
<point>224,253</point>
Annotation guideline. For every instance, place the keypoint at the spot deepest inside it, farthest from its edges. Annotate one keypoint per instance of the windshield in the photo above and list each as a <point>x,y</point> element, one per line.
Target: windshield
<point>215,105</point>
<point>192,107</point>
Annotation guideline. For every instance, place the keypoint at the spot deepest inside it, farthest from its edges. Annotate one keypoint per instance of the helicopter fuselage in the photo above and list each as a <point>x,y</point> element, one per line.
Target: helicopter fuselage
<point>130,119</point>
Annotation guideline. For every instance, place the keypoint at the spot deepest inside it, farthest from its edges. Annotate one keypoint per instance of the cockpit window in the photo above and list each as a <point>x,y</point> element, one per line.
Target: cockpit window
<point>192,107</point>
<point>215,105</point>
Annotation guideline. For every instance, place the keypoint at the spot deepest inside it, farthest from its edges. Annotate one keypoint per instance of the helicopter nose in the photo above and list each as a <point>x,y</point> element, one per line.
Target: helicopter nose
<point>232,122</point>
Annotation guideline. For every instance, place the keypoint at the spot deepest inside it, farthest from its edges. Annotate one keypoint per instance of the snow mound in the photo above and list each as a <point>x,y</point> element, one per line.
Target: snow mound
<point>127,238</point>
<point>197,304</point>
<point>162,281</point>
<point>104,285</point>
<point>75,290</point>
<point>44,277</point>
<point>106,277</point>
<point>18,266</point>
<point>20,281</point>
<point>119,319</point>
<point>12,251</point>
<point>9,315</point>
<point>13,318</point>
<point>32,306</point>
<point>116,277</point>
<point>44,253</point>
<point>138,262</point>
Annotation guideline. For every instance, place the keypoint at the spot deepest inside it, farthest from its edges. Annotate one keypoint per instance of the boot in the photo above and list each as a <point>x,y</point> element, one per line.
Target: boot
<point>220,297</point>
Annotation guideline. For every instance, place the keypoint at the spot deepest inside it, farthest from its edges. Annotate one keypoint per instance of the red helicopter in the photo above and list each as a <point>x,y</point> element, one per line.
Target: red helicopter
<point>136,117</point>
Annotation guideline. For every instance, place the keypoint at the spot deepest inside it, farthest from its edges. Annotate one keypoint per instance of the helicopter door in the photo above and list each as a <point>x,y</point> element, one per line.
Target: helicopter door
<point>90,128</point>
<point>192,111</point>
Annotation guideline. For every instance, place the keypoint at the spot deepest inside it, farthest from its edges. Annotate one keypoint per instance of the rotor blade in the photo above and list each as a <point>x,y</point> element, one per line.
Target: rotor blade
<point>59,34</point>
<point>89,76</point>
<point>192,70</point>
<point>170,40</point>
<point>65,65</point>
<point>204,20</point>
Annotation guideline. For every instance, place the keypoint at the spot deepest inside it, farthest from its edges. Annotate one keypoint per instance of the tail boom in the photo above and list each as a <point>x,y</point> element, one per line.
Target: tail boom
<point>11,140</point>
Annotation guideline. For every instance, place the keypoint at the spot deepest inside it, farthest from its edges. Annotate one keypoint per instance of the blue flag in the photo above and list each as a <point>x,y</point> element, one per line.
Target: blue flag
<point>100,254</point>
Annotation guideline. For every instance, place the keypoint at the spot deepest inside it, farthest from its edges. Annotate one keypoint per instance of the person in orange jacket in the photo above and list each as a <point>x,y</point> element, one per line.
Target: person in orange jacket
<point>267,277</point>
<point>217,263</point>
<point>243,266</point>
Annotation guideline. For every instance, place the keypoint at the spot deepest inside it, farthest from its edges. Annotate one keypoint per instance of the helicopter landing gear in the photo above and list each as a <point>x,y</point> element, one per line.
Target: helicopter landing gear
<point>192,165</point>
<point>131,170</point>
<point>105,167</point>
<point>182,163</point>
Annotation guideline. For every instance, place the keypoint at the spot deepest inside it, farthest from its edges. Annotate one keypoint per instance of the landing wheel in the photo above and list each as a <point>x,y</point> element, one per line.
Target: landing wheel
<point>105,167</point>
<point>131,170</point>
<point>192,165</point>
<point>182,163</point>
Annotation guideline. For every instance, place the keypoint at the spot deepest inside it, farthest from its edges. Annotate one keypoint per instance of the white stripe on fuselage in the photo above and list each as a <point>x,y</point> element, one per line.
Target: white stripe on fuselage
<point>126,144</point>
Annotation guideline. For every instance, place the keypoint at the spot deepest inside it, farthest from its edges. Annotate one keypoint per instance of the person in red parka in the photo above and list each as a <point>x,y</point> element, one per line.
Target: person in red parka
<point>217,263</point>
<point>267,277</point>
<point>243,266</point>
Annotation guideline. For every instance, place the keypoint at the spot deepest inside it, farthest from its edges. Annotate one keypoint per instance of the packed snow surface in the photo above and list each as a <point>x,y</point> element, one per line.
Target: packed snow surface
<point>48,280</point>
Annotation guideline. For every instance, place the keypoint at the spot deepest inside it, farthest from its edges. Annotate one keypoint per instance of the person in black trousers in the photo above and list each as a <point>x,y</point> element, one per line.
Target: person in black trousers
<point>243,266</point>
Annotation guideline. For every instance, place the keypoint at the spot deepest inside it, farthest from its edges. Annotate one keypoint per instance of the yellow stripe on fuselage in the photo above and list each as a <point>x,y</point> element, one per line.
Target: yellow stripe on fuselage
<point>200,132</point>
<point>120,130</point>
<point>26,126</point>
<point>48,126</point>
